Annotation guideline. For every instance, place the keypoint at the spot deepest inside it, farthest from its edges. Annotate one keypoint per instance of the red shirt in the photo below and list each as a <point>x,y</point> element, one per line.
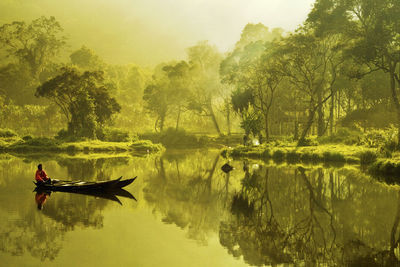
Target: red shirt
<point>41,176</point>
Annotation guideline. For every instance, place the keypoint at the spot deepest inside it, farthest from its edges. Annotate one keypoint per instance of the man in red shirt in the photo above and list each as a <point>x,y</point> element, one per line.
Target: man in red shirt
<point>41,176</point>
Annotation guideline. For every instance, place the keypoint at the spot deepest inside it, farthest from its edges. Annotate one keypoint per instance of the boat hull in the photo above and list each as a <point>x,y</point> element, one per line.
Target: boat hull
<point>73,186</point>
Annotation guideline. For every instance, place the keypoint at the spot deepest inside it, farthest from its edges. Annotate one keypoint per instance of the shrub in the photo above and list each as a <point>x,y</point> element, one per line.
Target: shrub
<point>6,133</point>
<point>145,146</point>
<point>343,136</point>
<point>308,142</point>
<point>367,157</point>
<point>278,155</point>
<point>27,137</point>
<point>333,157</point>
<point>293,157</point>
<point>175,138</point>
<point>112,135</point>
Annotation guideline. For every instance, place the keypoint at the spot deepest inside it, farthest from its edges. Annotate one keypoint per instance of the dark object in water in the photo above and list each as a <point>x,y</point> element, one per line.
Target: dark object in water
<point>111,194</point>
<point>226,168</point>
<point>74,186</point>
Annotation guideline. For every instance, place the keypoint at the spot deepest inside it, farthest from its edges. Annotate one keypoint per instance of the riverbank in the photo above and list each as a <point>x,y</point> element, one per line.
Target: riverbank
<point>369,159</point>
<point>42,144</point>
<point>292,154</point>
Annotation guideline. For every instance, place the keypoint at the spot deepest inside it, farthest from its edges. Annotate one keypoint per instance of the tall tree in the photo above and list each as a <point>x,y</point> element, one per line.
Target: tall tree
<point>35,44</point>
<point>83,98</point>
<point>204,61</point>
<point>374,30</point>
<point>311,65</point>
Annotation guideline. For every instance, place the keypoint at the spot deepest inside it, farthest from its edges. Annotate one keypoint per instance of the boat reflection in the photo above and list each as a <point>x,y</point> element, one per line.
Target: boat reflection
<point>42,195</point>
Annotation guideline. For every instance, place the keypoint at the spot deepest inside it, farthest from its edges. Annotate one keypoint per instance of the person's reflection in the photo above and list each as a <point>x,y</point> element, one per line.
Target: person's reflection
<point>41,198</point>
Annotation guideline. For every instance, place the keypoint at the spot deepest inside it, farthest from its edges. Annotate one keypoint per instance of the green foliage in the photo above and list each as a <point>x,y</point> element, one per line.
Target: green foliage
<point>7,133</point>
<point>278,155</point>
<point>34,44</point>
<point>112,135</point>
<point>343,136</point>
<point>172,138</point>
<point>333,157</point>
<point>293,157</point>
<point>83,97</point>
<point>367,157</point>
<point>307,142</point>
<point>86,59</point>
<point>385,140</point>
<point>145,146</point>
<point>37,144</point>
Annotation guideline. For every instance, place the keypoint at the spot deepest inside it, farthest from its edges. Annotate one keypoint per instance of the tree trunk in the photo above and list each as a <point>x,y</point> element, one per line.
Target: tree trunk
<point>395,99</point>
<point>266,120</point>
<point>296,127</point>
<point>320,123</point>
<point>162,121</point>
<point>307,128</point>
<point>331,115</point>
<point>214,119</point>
<point>228,118</point>
<point>178,118</point>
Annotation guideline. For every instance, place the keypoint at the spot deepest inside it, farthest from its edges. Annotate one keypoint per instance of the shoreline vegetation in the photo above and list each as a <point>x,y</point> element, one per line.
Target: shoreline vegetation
<point>44,144</point>
<point>370,160</point>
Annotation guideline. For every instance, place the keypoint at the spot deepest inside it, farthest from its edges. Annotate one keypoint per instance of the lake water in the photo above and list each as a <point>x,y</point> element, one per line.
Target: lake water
<point>188,212</point>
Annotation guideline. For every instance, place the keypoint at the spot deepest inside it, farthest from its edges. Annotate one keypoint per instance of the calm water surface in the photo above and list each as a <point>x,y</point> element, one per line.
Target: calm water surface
<point>188,212</point>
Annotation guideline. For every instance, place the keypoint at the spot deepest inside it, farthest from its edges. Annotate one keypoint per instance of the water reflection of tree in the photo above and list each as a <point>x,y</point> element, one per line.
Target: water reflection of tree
<point>98,168</point>
<point>292,216</point>
<point>189,192</point>
<point>41,233</point>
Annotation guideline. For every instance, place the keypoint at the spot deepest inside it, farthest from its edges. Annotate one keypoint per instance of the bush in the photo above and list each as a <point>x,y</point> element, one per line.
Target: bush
<point>333,157</point>
<point>342,136</point>
<point>293,157</point>
<point>37,144</point>
<point>27,137</point>
<point>367,157</point>
<point>6,133</point>
<point>175,138</point>
<point>310,157</point>
<point>145,146</point>
<point>308,142</point>
<point>112,135</point>
<point>278,156</point>
<point>384,139</point>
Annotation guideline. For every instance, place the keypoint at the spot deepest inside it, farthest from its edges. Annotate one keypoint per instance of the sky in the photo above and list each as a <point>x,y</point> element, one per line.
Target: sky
<point>148,32</point>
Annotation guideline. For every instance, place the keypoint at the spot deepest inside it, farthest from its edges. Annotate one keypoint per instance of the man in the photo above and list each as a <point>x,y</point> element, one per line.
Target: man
<point>41,176</point>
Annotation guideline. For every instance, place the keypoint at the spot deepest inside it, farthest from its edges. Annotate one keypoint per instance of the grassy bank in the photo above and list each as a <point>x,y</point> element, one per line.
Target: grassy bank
<point>310,154</point>
<point>181,139</point>
<point>38,145</point>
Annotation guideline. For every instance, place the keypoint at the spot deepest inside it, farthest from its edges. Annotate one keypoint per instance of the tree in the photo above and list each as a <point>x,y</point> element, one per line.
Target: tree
<point>86,59</point>
<point>179,85</point>
<point>156,97</point>
<point>311,65</point>
<point>250,67</point>
<point>83,98</point>
<point>204,61</point>
<point>374,29</point>
<point>34,44</point>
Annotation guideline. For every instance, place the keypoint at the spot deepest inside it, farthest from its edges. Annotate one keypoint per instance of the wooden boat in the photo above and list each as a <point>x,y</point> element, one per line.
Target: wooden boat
<point>73,186</point>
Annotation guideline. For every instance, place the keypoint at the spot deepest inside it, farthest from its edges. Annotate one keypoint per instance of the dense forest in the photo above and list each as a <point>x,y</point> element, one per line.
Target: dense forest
<point>338,72</point>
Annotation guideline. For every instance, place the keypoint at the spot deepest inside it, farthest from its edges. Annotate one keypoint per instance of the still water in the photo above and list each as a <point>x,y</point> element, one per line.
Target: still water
<point>188,212</point>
